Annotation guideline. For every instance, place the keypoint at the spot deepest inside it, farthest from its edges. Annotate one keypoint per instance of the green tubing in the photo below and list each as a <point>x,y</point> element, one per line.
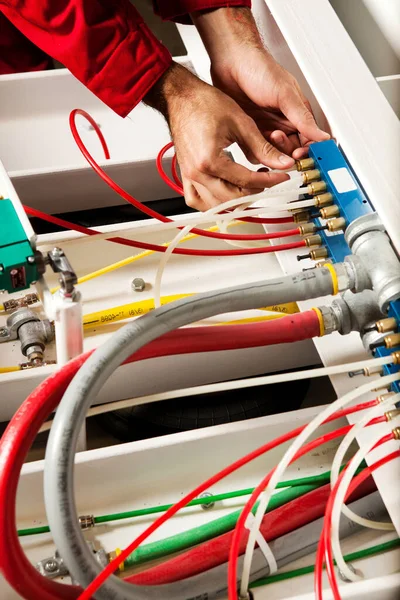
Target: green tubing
<point>152,510</point>
<point>200,534</point>
<point>385,547</point>
<point>33,530</point>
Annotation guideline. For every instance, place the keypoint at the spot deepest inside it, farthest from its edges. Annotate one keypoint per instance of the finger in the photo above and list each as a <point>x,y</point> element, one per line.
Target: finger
<point>300,153</point>
<point>215,191</point>
<point>238,175</point>
<point>192,197</point>
<point>250,137</point>
<point>299,114</point>
<point>283,142</point>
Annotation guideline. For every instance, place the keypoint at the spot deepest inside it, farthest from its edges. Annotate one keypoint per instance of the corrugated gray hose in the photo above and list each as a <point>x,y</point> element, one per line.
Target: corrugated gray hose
<point>70,415</point>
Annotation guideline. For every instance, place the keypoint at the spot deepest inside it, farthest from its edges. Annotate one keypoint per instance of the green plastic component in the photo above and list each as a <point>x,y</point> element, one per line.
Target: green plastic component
<point>16,272</point>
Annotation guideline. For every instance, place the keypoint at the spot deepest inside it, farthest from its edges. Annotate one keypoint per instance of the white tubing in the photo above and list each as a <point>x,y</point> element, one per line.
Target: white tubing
<point>181,234</point>
<point>233,385</point>
<point>341,452</point>
<point>288,457</point>
<point>339,501</point>
<point>200,218</point>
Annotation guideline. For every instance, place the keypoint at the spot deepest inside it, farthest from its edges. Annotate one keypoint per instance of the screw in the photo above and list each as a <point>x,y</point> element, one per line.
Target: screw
<point>57,252</point>
<point>207,505</point>
<point>3,332</point>
<point>138,284</point>
<point>51,565</point>
<point>31,260</point>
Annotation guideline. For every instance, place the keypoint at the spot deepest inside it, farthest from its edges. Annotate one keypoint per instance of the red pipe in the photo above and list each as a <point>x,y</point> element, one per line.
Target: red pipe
<point>33,212</point>
<point>276,523</point>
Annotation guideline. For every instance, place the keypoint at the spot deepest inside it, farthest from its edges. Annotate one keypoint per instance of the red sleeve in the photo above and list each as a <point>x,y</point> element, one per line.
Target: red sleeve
<point>104,43</point>
<point>179,10</point>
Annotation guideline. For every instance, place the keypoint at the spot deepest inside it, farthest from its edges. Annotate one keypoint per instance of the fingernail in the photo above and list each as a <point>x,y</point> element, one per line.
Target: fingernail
<point>286,161</point>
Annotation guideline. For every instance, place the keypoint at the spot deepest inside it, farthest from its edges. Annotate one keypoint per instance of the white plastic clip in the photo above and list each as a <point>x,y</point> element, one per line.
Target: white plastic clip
<point>263,545</point>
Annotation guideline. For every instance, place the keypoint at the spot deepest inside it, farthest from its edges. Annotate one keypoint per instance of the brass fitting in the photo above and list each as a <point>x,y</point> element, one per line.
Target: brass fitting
<point>313,240</point>
<point>307,228</point>
<point>336,224</point>
<point>329,211</point>
<point>316,188</point>
<point>323,199</point>
<point>302,216</point>
<point>383,397</point>
<point>318,253</point>
<point>392,414</point>
<point>312,175</point>
<point>396,357</point>
<point>14,304</point>
<point>86,522</point>
<point>391,341</point>
<point>396,433</point>
<point>386,325</point>
<point>367,372</point>
<point>305,163</point>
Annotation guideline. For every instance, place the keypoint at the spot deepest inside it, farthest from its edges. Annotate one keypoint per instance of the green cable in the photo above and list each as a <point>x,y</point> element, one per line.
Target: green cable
<point>142,512</point>
<point>310,569</point>
<point>205,532</point>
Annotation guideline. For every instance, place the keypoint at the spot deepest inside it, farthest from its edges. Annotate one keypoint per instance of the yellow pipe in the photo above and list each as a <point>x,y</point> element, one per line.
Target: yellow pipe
<point>10,369</point>
<point>135,309</point>
<point>131,259</point>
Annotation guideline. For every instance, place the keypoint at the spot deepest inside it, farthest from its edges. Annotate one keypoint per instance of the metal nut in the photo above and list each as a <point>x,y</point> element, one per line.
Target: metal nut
<point>138,284</point>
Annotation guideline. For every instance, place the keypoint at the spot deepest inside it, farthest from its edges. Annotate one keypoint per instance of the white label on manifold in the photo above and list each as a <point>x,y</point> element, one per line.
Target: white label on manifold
<point>342,180</point>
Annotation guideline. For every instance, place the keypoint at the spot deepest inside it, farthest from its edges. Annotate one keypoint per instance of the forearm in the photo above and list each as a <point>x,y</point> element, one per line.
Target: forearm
<point>226,29</point>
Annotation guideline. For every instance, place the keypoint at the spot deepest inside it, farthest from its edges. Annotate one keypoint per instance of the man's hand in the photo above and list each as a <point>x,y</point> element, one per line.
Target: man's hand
<point>244,69</point>
<point>204,122</point>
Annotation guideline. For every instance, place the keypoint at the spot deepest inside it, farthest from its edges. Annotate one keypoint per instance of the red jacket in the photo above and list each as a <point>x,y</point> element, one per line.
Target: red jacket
<point>104,43</point>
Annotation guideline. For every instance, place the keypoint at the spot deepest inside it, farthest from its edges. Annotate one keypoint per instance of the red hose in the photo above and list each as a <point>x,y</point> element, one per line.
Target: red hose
<point>139,205</point>
<point>291,328</point>
<point>276,523</point>
<point>14,446</point>
<point>240,525</point>
<point>33,212</point>
<point>324,545</point>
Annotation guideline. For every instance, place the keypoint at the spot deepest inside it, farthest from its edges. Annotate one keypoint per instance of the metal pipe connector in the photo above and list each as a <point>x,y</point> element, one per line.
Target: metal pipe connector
<point>305,163</point>
<point>392,414</point>
<point>317,187</point>
<point>313,240</point>
<point>323,200</point>
<point>307,228</point>
<point>368,240</point>
<point>312,175</point>
<point>396,433</point>
<point>86,522</point>
<point>338,224</point>
<point>329,211</point>
<point>386,325</point>
<point>301,216</point>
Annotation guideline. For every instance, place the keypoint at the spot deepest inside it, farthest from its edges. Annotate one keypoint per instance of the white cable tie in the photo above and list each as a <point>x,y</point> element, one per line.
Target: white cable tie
<point>263,545</point>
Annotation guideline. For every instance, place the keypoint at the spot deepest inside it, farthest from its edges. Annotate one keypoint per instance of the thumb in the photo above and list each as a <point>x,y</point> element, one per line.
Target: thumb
<point>254,143</point>
<point>297,111</point>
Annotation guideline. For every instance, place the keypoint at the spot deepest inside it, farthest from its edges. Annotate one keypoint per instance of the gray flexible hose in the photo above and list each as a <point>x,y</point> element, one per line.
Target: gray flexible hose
<point>70,415</point>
